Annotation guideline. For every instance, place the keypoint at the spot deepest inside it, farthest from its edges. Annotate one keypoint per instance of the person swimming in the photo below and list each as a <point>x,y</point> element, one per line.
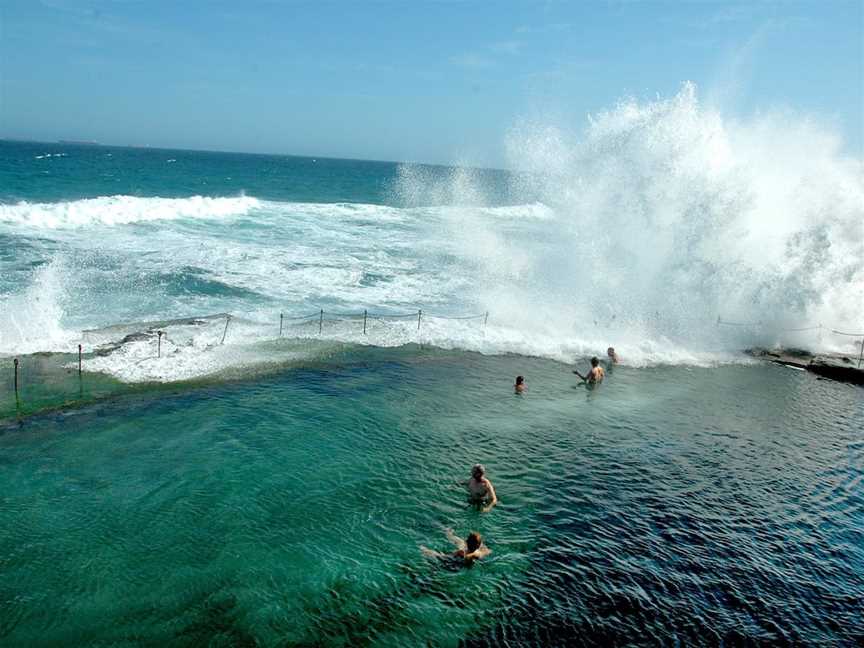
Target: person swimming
<point>595,375</point>
<point>520,386</point>
<point>467,551</point>
<point>480,489</point>
<point>613,357</point>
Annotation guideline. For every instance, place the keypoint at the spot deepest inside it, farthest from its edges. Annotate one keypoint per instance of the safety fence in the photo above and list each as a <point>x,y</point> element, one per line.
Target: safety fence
<point>155,331</point>
<point>822,330</point>
<point>49,381</point>
<point>321,317</point>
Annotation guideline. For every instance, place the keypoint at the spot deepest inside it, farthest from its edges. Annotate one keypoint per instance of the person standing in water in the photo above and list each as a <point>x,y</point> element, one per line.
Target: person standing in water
<point>595,375</point>
<point>613,357</point>
<point>520,387</point>
<point>471,549</point>
<point>480,489</point>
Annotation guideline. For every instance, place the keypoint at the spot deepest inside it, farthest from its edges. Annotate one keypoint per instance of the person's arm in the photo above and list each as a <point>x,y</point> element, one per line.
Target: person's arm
<point>477,553</point>
<point>431,553</point>
<point>584,378</point>
<point>456,540</point>
<point>493,498</point>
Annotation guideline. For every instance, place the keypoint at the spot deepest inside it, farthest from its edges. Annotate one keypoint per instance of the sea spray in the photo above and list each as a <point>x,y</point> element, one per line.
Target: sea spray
<point>31,321</point>
<point>668,216</point>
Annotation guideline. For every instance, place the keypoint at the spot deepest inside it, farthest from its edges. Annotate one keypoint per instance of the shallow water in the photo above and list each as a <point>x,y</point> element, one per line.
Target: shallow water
<point>670,505</point>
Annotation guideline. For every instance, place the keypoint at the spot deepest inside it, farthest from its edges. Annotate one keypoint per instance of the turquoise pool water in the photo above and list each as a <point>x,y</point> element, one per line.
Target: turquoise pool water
<point>673,504</point>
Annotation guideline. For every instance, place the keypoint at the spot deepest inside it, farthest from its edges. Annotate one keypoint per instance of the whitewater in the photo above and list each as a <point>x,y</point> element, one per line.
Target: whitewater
<point>662,228</point>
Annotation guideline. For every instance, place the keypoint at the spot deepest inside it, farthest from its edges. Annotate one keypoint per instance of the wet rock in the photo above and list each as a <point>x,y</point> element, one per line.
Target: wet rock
<point>829,365</point>
<point>841,368</point>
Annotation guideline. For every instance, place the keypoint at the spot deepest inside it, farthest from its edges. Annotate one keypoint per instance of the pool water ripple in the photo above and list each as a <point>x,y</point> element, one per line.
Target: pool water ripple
<point>290,510</point>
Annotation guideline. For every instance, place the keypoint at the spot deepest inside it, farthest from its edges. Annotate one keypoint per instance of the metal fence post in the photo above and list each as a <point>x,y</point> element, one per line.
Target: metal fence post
<point>15,362</point>
<point>364,322</point>
<point>281,316</point>
<point>79,359</point>
<point>225,332</point>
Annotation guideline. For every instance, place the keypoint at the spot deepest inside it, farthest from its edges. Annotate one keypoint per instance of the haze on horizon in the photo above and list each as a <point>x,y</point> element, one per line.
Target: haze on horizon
<point>427,82</point>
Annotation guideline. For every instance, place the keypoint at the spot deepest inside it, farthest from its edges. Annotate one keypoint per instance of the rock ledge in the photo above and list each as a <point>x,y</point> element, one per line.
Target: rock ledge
<point>828,365</point>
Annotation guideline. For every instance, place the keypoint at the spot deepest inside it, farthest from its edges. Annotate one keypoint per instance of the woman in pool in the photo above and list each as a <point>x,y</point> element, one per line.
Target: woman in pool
<point>480,489</point>
<point>468,550</point>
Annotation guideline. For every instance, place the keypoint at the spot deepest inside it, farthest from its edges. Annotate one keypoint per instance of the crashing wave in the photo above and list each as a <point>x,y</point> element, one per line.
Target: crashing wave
<point>120,210</point>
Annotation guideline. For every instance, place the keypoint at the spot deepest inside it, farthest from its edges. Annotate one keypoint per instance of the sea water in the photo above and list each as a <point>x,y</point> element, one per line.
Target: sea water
<point>265,479</point>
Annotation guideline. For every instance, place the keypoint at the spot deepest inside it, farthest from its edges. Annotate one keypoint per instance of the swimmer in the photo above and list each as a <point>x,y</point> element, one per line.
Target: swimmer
<point>520,387</point>
<point>613,357</point>
<point>595,375</point>
<point>480,489</point>
<point>468,550</point>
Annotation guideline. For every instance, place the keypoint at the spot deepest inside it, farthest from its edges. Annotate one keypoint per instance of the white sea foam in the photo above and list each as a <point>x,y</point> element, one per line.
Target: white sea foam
<point>196,351</point>
<point>190,352</point>
<point>119,210</point>
<point>533,211</point>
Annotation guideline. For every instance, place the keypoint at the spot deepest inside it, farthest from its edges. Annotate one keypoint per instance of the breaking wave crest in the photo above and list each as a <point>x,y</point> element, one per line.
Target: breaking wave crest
<point>120,210</point>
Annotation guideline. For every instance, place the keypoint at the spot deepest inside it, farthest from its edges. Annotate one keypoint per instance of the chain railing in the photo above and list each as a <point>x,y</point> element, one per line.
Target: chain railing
<point>321,317</point>
<point>815,327</point>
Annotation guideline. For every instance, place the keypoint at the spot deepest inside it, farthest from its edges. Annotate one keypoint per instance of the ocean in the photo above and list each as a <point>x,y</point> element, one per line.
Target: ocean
<point>289,365</point>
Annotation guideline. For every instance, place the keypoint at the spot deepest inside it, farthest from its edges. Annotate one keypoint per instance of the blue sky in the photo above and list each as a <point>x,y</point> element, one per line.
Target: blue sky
<point>420,81</point>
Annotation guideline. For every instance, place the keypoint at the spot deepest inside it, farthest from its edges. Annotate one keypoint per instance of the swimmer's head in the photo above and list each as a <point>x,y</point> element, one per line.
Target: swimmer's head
<point>473,541</point>
<point>478,471</point>
<point>610,351</point>
<point>520,380</point>
<point>594,361</point>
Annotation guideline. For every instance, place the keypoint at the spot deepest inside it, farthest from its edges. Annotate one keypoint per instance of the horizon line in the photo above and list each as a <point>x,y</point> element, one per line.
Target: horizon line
<point>93,143</point>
